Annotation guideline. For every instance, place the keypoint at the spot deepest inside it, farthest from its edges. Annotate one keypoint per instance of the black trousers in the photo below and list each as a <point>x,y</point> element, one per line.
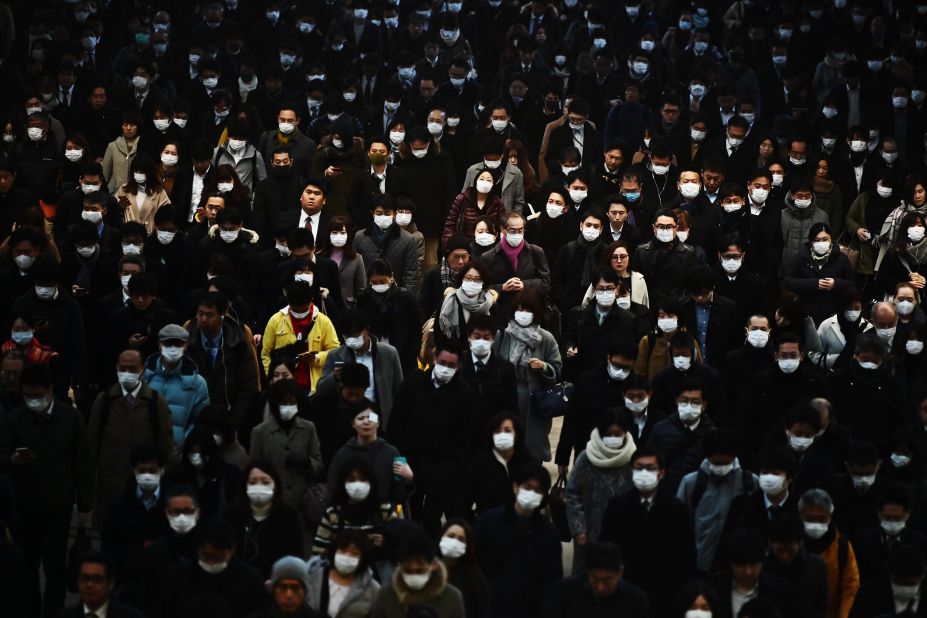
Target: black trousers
<point>43,538</point>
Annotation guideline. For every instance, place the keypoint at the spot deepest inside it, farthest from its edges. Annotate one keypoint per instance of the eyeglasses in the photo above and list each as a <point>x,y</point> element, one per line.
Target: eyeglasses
<point>665,227</point>
<point>609,289</point>
<point>619,257</point>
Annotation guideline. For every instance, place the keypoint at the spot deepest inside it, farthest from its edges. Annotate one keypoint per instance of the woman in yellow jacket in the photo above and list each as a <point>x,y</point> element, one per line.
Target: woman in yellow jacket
<point>816,510</point>
<point>305,331</point>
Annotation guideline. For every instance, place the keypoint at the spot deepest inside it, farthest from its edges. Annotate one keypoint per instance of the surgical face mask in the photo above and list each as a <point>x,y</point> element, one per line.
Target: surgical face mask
<point>172,354</point>
<point>168,159</point>
<point>514,240</point>
<point>213,569</point>
<point>889,157</point>
<point>453,121</point>
<point>139,178</point>
<point>758,338</point>
<point>697,135</point>
<point>338,239</point>
<point>139,82</point>
<point>720,470</point>
<point>734,142</point>
<point>147,481</point>
<point>863,481</point>
<point>682,363</point>
<point>73,154</point>
<point>419,154</point>
<point>37,404</point>
<point>664,235</point>
<point>759,195</point>
<point>914,346</point>
<point>796,160</point>
<point>287,412</point>
<point>287,60</point>
<point>286,127</point>
<point>524,318</point>
<point>345,564</point>
<point>624,302</point>
<point>590,233</point>
<point>851,315</point>
<point>884,192</point>
<point>195,459</point>
<point>308,278</point>
<point>355,343</point>
<point>605,298</point>
<point>500,125</point>
<point>698,613</point>
<point>480,347</point>
<point>95,216</point>
<point>485,239</point>
<point>235,145</point>
<point>349,96</point>
<point>918,96</point>
<point>772,484</point>
<point>180,122</point>
<point>829,142</point>
<point>165,238</point>
<point>21,337</point>
<point>647,45</point>
<point>127,379</point>
<point>210,82</point>
<point>528,499</point>
<point>383,221</point>
<point>637,407</point>
<point>397,136</point>
<point>484,186</point>
<point>799,443</point>
<point>682,235</point>
<point>689,412</point>
<point>182,524</point>
<point>416,582</point>
<point>815,530</point>
<point>435,128</point>
<point>34,133</point>
<point>697,90</point>
<point>380,288</point>
<point>567,169</point>
<point>645,480</point>
<point>731,265</point>
<point>802,203</point>
<point>821,247</point>
<point>44,292</point>
<point>788,365</point>
<point>660,170</point>
<point>403,218</point>
<point>905,593</point>
<point>451,547</point>
<point>613,442</point>
<point>406,73</point>
<point>916,233</point>
<point>667,325</point>
<point>228,236</point>
<point>471,288</point>
<point>904,307</point>
<point>443,374</point>
<point>618,373</point>
<point>689,189</point>
<point>776,182</point>
<point>259,495</point>
<point>857,145</point>
<point>886,333</point>
<point>899,102</point>
<point>641,68</point>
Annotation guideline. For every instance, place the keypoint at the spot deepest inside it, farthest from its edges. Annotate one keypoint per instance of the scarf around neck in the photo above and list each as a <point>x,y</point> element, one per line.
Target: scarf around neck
<point>449,318</point>
<point>602,456</point>
<point>526,339</point>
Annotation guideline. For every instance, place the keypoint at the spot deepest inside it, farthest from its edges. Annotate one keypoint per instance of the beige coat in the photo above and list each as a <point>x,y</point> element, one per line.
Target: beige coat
<point>116,161</point>
<point>143,212</point>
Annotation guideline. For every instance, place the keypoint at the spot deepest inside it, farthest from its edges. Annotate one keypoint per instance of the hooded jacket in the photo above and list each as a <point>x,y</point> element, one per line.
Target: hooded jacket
<point>395,598</point>
<point>796,223</point>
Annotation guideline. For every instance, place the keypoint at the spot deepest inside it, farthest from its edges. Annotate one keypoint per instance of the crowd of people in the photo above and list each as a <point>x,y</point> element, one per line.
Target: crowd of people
<point>295,291</point>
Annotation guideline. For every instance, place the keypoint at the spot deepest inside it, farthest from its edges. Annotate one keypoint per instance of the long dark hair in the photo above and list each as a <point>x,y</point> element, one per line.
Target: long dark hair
<point>337,224</point>
<point>242,502</point>
<point>144,164</point>
<point>340,494</point>
<point>467,566</point>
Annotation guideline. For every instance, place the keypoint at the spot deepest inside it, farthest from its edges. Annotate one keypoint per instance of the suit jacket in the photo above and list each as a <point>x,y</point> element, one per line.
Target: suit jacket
<point>772,588</point>
<point>114,609</point>
<point>290,220</point>
<point>723,327</point>
<point>182,192</point>
<point>493,387</point>
<point>563,137</point>
<point>532,270</point>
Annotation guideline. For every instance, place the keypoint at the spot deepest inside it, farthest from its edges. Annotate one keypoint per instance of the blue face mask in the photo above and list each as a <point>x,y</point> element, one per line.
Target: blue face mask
<point>633,196</point>
<point>142,38</point>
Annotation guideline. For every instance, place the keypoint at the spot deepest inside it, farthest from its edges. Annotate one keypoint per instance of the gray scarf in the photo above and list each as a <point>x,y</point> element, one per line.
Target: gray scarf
<point>448,318</point>
<point>526,339</point>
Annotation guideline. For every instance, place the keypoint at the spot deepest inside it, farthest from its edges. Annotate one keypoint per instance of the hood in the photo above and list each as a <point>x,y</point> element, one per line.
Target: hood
<point>251,235</point>
<point>426,595</point>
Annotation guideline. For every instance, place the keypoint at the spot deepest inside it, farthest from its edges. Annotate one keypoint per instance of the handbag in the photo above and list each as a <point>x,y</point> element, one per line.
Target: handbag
<point>553,401</point>
<point>556,505</point>
<point>849,246</point>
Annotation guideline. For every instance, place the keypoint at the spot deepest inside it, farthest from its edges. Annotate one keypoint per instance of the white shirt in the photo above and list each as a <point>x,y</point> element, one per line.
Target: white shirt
<point>196,194</point>
<point>99,613</point>
<point>336,596</point>
<point>134,392</point>
<point>366,360</point>
<point>382,180</point>
<point>315,222</point>
<point>579,136</point>
<point>901,605</point>
<point>756,210</point>
<point>476,359</point>
<point>738,598</point>
<point>858,173</point>
<point>616,234</point>
<point>640,420</point>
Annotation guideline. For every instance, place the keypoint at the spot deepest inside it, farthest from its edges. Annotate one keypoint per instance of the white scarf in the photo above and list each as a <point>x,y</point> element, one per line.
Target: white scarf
<point>602,456</point>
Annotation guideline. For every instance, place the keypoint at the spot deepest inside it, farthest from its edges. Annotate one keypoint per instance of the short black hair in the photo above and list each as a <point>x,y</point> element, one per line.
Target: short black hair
<point>529,472</point>
<point>98,557</point>
<point>745,546</point>
<point>355,375</point>
<point>416,546</point>
<point>777,457</point>
<point>216,532</point>
<point>147,451</point>
<point>604,556</point>
<point>36,374</point>
<point>722,441</point>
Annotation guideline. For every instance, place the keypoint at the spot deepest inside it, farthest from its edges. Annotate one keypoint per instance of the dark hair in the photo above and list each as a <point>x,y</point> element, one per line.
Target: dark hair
<point>649,451</point>
<point>481,321</point>
<point>347,537</point>
<point>215,299</point>
<point>36,374</point>
<point>217,532</point>
<point>379,267</point>
<point>532,472</point>
<point>354,375</point>
<point>270,470</point>
<point>365,468</point>
<point>777,457</point>
<point>604,556</point>
<point>723,441</point>
<point>416,546</point>
<point>613,416</point>
<point>147,451</point>
<point>745,546</point>
<point>906,561</point>
<point>98,557</point>
<point>786,527</point>
<point>480,267</point>
<point>178,491</point>
<point>863,453</point>
<point>530,300</point>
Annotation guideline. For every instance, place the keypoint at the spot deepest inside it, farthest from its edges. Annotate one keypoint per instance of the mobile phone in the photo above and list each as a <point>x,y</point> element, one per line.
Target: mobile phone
<point>399,460</point>
<point>338,363</point>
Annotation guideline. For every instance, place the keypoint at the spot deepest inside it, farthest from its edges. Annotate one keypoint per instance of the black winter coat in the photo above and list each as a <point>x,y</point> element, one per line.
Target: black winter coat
<point>805,274</point>
<point>238,591</point>
<point>857,393</point>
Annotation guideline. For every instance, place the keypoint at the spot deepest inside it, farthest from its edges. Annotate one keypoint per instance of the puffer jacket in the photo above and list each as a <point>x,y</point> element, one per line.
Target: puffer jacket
<point>464,213</point>
<point>796,223</point>
<point>184,390</point>
<point>356,603</point>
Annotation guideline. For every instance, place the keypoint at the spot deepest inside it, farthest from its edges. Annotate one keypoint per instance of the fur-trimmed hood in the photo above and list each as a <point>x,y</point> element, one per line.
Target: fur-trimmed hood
<point>429,594</point>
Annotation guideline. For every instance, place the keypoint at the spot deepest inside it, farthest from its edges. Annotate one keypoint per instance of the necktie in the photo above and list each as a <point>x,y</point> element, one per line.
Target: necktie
<point>308,225</point>
<point>479,366</point>
<point>646,504</point>
<point>773,510</point>
<point>130,400</point>
<point>140,99</point>
<point>368,85</point>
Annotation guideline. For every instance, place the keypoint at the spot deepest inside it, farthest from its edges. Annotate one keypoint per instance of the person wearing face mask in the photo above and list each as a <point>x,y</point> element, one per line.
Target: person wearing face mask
<point>555,226</point>
<point>241,154</point>
<point>27,246</point>
<point>601,471</point>
<point>386,240</point>
<point>709,316</point>
<point>431,426</point>
<point>343,576</point>
<point>355,504</point>
<point>874,545</point>
<point>654,531</point>
<point>217,572</point>
<point>873,213</point>
<point>709,491</point>
<point>865,381</point>
<point>734,280</point>
<point>201,466</point>
<point>663,260</point>
<point>142,195</point>
<point>37,157</point>
<point>470,297</point>
<point>480,199</point>
<point>159,130</point>
<point>458,554</point>
<point>819,273</point>
<point>823,538</point>
<point>772,393</point>
<point>121,151</point>
<point>45,449</point>
<point>838,333</point>
<point>806,572</point>
<point>420,578</point>
<point>776,465</point>
<point>137,324</point>
<point>798,217</point>
<point>508,180</point>
<point>393,313</point>
<point>127,414</point>
<point>686,364</point>
<point>518,548</point>
<point>799,432</point>
<point>175,378</point>
<point>536,357</point>
<point>901,265</point>
<point>577,262</point>
<point>601,590</point>
<point>899,589</point>
<point>302,327</point>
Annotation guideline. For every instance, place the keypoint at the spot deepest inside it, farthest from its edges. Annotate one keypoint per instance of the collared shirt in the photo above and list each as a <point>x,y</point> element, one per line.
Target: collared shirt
<point>616,235</point>
<point>477,359</point>
<point>641,421</point>
<point>148,501</point>
<point>366,359</point>
<point>768,504</point>
<point>315,222</point>
<point>858,175</point>
<point>702,315</point>
<point>756,210</point>
<point>212,345</point>
<point>196,192</point>
<point>134,391</point>
<point>903,604</point>
<point>99,613</point>
<point>738,598</point>
<point>382,178</point>
<point>601,315</point>
<point>579,136</point>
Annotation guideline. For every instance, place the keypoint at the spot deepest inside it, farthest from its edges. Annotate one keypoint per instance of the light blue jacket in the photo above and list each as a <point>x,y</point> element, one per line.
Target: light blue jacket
<point>183,388</point>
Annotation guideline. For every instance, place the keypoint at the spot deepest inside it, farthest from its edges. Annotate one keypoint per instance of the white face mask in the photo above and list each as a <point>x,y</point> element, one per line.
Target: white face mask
<point>228,236</point>
<point>719,470</point>
<point>172,354</point>
<point>168,159</point>
<point>21,337</point>
<point>514,240</point>
<point>667,325</point>
<point>645,480</point>
<point>698,613</point>
<point>308,278</point>
<point>380,288</point>
<point>821,247</point>
<point>731,207</point>
<point>800,444</point>
<point>383,221</point>
<point>182,524</point>
<point>236,145</point>
<point>492,164</point>
<point>196,460</point>
<point>886,333</point>
<point>500,125</point>
<point>131,249</point>
<point>637,407</point>
<point>443,374</point>
<point>590,233</point>
<point>147,481</point>
<point>554,210</point>
<point>127,379</point>
<point>689,412</point>
<point>259,495</point>
<point>802,203</point>
<point>484,186</point>
<point>916,233</point>
<point>857,145</point>
<point>471,288</point>
<point>416,582</point>
<point>758,338</point>
<point>851,315</point>
<point>759,195</point>
<point>139,178</point>
<point>419,154</point>
<point>480,347</point>
<point>46,292</point>
<point>682,363</point>
<point>73,154</point>
<point>815,530</point>
<point>451,547</point>
<point>180,122</point>
<point>578,195</point>
<point>524,318</point>
<point>397,136</point>
<point>165,238</point>
<point>162,124</point>
<point>788,365</point>
<point>731,266</point>
<point>355,343</point>
<point>614,442</point>
<point>605,298</point>
<point>94,216</point>
<point>616,373</point>
<point>345,564</point>
<point>34,133</point>
<point>403,218</point>
<point>664,235</point>
<point>772,484</point>
<point>338,239</point>
<point>213,569</point>
<point>484,239</point>
<point>503,441</point>
<point>913,346</point>
<point>287,412</point>
<point>904,307</point>
<point>528,499</point>
<point>225,187</point>
<point>88,189</point>
<point>660,170</point>
<point>624,302</point>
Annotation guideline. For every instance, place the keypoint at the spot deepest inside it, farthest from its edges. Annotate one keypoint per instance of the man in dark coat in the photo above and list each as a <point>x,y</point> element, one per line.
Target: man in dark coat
<point>710,317</point>
<point>664,260</point>
<point>96,579</point>
<point>777,466</point>
<point>429,420</point>
<point>577,263</point>
<point>600,591</point>
<point>900,593</point>
<point>751,358</point>
<point>654,531</point>
<point>873,546</point>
